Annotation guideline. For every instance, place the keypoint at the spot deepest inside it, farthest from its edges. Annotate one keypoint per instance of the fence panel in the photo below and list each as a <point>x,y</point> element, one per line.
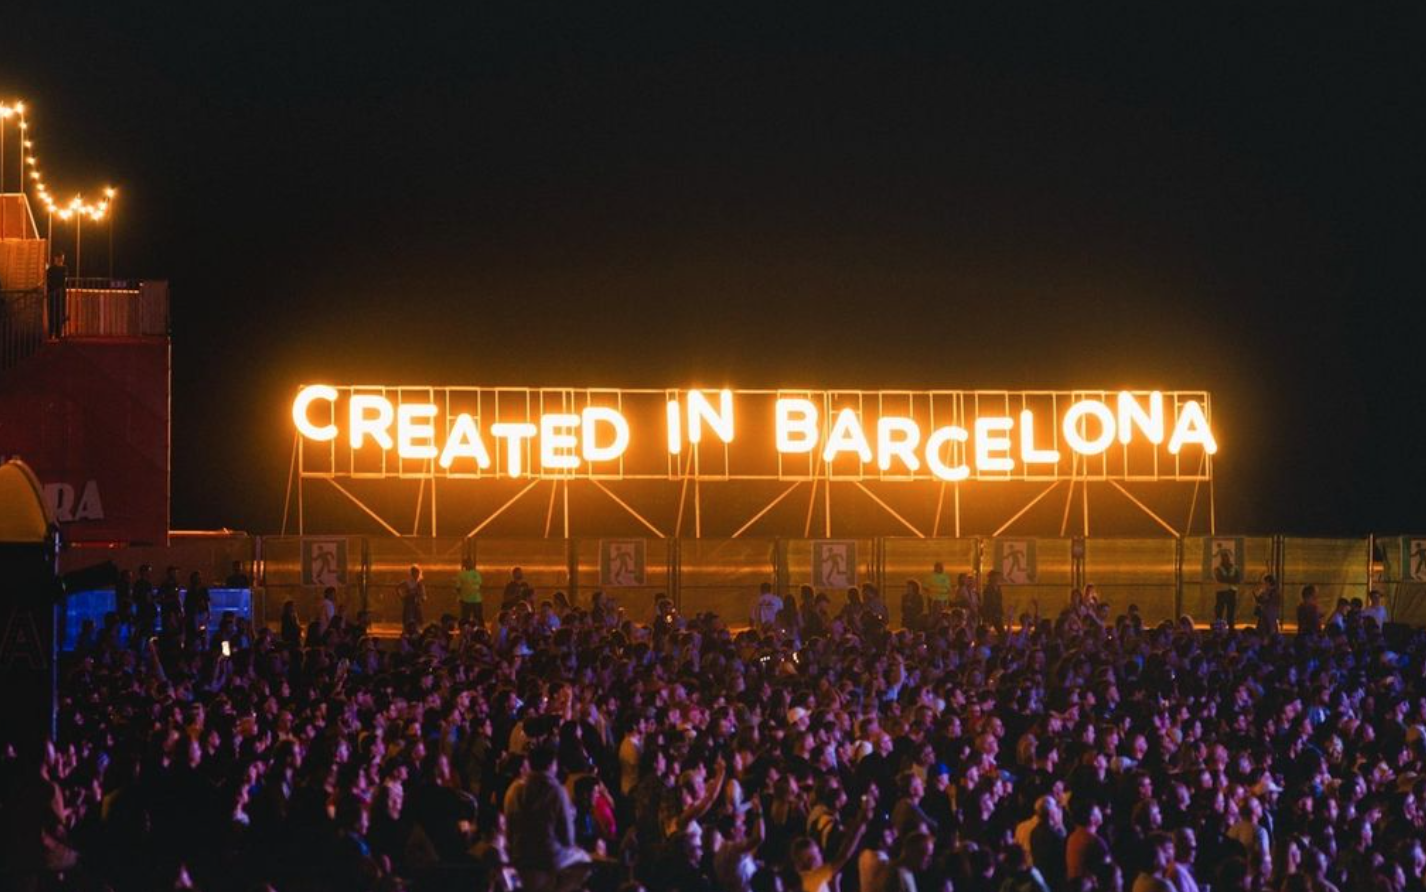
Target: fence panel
<point>904,559</point>
<point>722,575</point>
<point>632,572</point>
<point>1142,572</point>
<point>298,568</point>
<point>1339,568</point>
<point>1037,572</point>
<point>830,566</point>
<point>1403,577</point>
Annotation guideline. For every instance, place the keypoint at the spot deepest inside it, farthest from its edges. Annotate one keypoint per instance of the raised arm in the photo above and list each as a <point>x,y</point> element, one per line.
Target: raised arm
<point>853,839</point>
<point>710,795</point>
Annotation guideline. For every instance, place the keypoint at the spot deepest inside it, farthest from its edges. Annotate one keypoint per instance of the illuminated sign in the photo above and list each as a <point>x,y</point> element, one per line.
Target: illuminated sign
<point>562,433</point>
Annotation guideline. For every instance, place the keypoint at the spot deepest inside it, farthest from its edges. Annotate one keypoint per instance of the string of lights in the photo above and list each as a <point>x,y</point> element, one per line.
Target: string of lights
<point>30,166</point>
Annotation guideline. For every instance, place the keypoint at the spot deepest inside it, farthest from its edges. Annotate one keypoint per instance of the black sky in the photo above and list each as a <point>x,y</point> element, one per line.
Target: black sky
<point>667,193</point>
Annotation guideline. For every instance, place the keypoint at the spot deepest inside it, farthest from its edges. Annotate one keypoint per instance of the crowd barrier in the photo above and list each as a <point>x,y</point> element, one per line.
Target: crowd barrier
<point>1164,577</point>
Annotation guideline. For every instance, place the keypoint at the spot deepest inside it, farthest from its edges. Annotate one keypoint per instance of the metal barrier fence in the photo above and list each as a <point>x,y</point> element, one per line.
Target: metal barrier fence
<point>1164,577</point>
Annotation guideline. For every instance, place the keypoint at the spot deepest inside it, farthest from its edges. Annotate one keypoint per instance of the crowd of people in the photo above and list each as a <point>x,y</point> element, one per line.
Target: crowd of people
<point>557,745</point>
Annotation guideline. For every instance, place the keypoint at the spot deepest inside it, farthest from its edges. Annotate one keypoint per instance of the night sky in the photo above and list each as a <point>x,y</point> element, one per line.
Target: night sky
<point>668,194</point>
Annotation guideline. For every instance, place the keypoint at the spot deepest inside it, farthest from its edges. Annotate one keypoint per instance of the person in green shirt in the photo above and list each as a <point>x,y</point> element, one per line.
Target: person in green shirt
<point>938,589</point>
<point>468,590</point>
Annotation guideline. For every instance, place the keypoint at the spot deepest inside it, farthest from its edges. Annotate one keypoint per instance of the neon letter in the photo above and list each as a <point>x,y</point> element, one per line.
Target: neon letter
<point>557,445</point>
<point>934,444</point>
<point>378,425</point>
<point>1076,440</point>
<point>796,425</point>
<point>847,436</point>
<point>897,436</point>
<point>993,435</point>
<point>409,429</point>
<point>1192,427</point>
<point>464,441</point>
<point>514,433</point>
<point>306,397</point>
<point>700,410</point>
<point>1132,415</point>
<point>1028,453</point>
<point>675,428</point>
<point>592,450</point>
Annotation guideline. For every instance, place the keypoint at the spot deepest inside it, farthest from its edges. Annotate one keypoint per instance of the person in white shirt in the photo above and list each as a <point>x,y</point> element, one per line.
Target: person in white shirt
<point>766,608</point>
<point>1375,609</point>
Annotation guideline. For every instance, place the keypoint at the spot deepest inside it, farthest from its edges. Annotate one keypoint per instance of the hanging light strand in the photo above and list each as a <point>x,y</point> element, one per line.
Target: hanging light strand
<point>30,170</point>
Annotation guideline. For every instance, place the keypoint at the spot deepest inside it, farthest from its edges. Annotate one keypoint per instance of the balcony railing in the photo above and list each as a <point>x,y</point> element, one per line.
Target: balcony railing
<point>103,308</point>
<point>94,308</point>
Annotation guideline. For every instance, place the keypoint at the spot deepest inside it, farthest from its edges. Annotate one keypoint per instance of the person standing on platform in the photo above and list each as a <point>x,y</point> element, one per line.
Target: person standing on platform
<point>327,608</point>
<point>468,584</point>
<point>55,292</point>
<point>514,589</point>
<point>237,578</point>
<point>412,592</point>
<point>992,602</point>
<point>913,606</point>
<point>938,590</point>
<point>765,609</point>
<point>1228,576</point>
<point>1269,601</point>
<point>1309,617</point>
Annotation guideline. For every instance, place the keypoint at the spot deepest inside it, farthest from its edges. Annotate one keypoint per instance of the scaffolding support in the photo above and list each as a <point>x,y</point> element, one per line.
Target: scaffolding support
<point>362,505</point>
<point>889,510</point>
<point>766,508</point>
<point>1021,513</point>
<point>1145,508</point>
<point>501,510</point>
<point>627,507</point>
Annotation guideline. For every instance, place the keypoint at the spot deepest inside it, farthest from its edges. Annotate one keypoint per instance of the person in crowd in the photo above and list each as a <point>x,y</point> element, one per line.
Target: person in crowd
<point>237,578</point>
<point>1309,618</point>
<point>326,609</point>
<point>1269,605</point>
<point>1180,871</point>
<point>1375,608</point>
<point>938,589</point>
<point>1228,576</point>
<point>992,601</point>
<point>468,593</point>
<point>1085,850</point>
<point>913,606</point>
<point>1155,877</point>
<point>514,589</point>
<point>967,595</point>
<point>765,608</point>
<point>412,595</point>
<point>540,821</point>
